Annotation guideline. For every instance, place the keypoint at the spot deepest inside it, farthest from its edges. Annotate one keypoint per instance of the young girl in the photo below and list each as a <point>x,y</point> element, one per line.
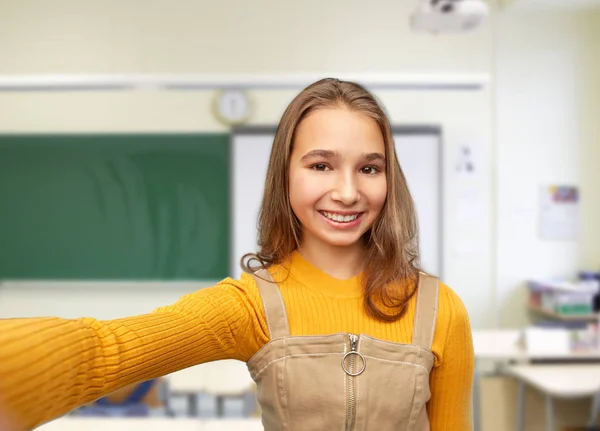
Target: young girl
<point>338,325</point>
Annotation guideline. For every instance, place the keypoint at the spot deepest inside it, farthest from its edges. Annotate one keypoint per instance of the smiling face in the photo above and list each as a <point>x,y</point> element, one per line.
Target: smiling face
<point>337,178</point>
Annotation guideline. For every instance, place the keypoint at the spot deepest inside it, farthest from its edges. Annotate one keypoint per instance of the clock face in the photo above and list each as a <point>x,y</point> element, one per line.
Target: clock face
<point>233,106</point>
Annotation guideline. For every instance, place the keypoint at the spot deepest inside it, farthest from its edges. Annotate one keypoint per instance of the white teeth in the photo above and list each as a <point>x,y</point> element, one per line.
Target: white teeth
<point>340,218</point>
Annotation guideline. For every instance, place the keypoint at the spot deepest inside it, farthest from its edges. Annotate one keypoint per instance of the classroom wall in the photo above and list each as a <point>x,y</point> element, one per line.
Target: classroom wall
<point>467,243</point>
<point>590,111</point>
<point>73,37</point>
<point>547,101</point>
<point>112,36</point>
<point>467,253</point>
<point>291,37</point>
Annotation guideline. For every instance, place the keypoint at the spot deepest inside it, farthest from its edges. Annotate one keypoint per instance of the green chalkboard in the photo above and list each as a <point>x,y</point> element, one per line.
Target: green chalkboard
<point>114,207</point>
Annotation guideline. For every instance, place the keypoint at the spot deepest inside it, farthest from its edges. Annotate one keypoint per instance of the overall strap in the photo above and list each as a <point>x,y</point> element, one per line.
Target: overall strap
<point>275,313</point>
<point>426,312</point>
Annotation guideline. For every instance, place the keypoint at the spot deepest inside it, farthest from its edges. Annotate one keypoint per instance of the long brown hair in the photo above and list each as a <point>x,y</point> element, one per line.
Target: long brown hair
<point>391,267</point>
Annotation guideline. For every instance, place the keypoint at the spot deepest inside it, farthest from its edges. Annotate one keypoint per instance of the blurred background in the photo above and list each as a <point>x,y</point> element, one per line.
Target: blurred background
<point>134,138</point>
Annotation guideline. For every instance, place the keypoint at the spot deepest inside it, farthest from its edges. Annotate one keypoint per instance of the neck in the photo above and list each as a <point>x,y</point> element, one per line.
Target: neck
<point>339,262</point>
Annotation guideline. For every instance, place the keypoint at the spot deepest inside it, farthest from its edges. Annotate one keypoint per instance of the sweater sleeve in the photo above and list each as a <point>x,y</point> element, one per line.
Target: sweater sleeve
<point>451,380</point>
<point>49,366</point>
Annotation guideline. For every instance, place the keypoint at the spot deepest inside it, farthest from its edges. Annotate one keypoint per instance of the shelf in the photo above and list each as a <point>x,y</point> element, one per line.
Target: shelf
<point>563,317</point>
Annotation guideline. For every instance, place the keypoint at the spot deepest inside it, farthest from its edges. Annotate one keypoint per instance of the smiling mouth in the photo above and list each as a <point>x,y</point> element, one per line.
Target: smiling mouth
<point>340,218</point>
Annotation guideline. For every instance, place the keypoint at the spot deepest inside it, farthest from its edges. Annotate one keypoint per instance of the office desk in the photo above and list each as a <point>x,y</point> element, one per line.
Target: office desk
<point>498,345</point>
<point>502,345</point>
<point>151,424</point>
<point>121,424</point>
<point>223,379</point>
<point>233,425</point>
<point>562,381</point>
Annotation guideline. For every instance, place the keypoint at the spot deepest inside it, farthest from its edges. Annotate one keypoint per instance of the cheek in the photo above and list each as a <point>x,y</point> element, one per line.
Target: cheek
<point>302,194</point>
<point>377,195</point>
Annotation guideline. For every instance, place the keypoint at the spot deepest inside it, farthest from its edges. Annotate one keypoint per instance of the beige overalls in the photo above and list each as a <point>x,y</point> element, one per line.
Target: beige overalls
<point>343,382</point>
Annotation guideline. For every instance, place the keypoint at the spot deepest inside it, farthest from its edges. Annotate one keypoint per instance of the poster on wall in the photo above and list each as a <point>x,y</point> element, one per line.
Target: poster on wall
<point>559,212</point>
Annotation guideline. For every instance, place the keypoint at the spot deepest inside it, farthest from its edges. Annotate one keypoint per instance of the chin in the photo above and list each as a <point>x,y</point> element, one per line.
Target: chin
<point>342,242</point>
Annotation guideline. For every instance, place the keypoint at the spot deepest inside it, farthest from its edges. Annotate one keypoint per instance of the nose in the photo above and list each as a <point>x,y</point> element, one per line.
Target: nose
<point>346,189</point>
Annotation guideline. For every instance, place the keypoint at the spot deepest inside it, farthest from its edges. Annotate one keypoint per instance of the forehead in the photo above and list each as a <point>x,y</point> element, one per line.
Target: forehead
<point>338,129</point>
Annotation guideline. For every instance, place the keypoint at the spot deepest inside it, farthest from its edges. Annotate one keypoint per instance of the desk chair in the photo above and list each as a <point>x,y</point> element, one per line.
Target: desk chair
<point>135,400</point>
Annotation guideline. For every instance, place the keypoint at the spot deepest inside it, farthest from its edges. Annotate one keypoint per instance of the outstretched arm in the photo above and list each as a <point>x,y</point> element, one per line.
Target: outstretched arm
<point>49,366</point>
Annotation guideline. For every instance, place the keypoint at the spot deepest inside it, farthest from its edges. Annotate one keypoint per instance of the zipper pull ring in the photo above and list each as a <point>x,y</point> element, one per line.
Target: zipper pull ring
<point>353,351</point>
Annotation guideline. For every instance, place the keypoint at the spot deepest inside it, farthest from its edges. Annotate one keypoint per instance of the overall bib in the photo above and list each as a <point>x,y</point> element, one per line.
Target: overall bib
<point>343,382</point>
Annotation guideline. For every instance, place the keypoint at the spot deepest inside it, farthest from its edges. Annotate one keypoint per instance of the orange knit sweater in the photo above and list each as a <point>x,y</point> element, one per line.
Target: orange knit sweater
<point>48,366</point>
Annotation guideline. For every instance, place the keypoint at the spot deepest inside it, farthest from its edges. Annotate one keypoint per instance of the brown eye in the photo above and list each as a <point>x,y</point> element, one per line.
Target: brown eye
<point>370,170</point>
<point>319,167</point>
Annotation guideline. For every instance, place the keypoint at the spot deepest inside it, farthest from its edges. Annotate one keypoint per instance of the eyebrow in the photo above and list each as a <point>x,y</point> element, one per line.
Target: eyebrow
<point>375,157</point>
<point>330,154</point>
<point>325,154</point>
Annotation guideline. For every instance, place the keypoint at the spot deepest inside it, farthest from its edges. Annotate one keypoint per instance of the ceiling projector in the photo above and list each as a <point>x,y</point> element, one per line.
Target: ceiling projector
<point>448,16</point>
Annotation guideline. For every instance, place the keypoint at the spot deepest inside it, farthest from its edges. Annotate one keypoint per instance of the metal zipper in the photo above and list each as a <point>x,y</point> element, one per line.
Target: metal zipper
<point>351,373</point>
<point>351,395</point>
